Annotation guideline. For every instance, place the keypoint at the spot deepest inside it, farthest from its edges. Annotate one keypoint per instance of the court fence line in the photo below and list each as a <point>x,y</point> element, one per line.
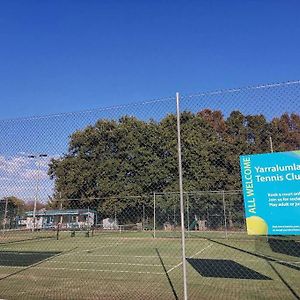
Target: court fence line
<point>160,176</point>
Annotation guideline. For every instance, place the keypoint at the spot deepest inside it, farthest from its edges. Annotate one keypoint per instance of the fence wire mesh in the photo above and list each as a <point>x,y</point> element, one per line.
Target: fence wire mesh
<point>90,202</point>
<point>216,129</point>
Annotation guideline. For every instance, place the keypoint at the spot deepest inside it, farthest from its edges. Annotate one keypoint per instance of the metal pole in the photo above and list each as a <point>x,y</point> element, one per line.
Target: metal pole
<point>5,214</point>
<point>271,148</point>
<point>188,214</point>
<point>154,215</point>
<point>181,201</point>
<point>143,224</point>
<point>37,194</point>
<point>38,157</point>
<point>224,210</point>
<point>61,207</point>
<point>271,144</point>
<point>174,216</point>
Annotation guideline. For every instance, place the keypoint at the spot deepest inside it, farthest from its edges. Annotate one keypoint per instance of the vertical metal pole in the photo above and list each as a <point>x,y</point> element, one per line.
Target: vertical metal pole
<point>61,217</point>
<point>38,157</point>
<point>181,201</point>
<point>143,224</point>
<point>154,215</point>
<point>271,144</point>
<point>224,210</point>
<point>174,216</point>
<point>271,148</point>
<point>5,214</point>
<point>37,193</point>
<point>188,214</point>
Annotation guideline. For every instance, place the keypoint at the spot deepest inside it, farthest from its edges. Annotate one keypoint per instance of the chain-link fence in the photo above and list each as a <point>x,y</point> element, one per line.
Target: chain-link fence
<point>91,206</point>
<point>213,213</point>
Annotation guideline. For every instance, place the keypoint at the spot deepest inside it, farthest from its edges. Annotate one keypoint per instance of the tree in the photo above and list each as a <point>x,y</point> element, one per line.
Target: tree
<point>112,160</point>
<point>14,207</point>
<point>285,132</point>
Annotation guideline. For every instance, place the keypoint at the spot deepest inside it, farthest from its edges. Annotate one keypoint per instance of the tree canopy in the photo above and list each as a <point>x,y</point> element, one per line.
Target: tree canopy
<point>131,157</point>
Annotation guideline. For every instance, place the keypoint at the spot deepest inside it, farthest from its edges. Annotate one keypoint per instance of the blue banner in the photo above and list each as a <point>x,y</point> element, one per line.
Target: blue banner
<point>271,188</point>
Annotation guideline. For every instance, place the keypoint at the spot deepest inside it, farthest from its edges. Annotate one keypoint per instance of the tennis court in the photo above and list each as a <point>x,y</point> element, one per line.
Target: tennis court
<point>134,265</point>
<point>94,200</point>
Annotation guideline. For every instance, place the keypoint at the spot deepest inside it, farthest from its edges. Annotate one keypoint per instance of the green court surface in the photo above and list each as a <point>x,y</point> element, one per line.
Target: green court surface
<point>134,265</point>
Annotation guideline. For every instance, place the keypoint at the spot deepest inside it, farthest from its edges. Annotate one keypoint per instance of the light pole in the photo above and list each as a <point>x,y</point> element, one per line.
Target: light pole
<point>37,158</point>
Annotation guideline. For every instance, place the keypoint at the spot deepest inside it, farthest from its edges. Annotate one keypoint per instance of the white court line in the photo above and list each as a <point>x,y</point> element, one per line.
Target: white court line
<point>13,267</point>
<point>96,270</point>
<point>201,250</point>
<point>273,260</point>
<point>178,265</point>
<point>88,250</point>
<point>131,256</point>
<point>104,263</point>
<point>8,243</point>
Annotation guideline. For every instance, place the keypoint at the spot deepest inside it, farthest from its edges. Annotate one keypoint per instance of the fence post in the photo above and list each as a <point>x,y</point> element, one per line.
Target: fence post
<point>154,215</point>
<point>271,144</point>
<point>5,214</point>
<point>181,201</point>
<point>174,216</point>
<point>224,210</point>
<point>188,214</point>
<point>61,207</point>
<point>143,218</point>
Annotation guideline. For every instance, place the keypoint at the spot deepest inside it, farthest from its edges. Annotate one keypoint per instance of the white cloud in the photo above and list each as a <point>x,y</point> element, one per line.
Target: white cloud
<point>19,164</point>
<point>19,176</point>
<point>35,174</point>
<point>13,164</point>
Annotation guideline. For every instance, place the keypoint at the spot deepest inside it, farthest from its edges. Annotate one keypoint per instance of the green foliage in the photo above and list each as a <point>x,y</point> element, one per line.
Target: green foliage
<point>14,207</point>
<point>112,160</point>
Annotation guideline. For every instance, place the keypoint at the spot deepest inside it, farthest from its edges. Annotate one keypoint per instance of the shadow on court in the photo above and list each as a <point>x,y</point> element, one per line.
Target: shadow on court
<point>288,247</point>
<point>43,256</point>
<point>224,268</point>
<point>23,258</point>
<point>269,261</point>
<point>167,275</point>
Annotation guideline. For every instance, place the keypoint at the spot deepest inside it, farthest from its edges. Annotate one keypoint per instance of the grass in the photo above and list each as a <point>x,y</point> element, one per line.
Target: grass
<point>134,265</point>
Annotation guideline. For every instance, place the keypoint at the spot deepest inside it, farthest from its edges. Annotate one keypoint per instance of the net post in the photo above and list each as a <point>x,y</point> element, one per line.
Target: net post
<point>181,200</point>
<point>57,231</point>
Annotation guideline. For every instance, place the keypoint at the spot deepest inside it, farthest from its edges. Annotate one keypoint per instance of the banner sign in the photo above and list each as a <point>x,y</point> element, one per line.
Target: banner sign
<point>271,188</point>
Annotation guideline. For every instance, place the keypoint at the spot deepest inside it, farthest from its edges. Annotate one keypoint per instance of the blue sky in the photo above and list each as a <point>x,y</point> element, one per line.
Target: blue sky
<point>59,56</point>
<point>62,56</point>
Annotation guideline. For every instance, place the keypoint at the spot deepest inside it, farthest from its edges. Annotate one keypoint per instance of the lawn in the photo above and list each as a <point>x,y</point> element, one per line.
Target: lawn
<point>134,265</point>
